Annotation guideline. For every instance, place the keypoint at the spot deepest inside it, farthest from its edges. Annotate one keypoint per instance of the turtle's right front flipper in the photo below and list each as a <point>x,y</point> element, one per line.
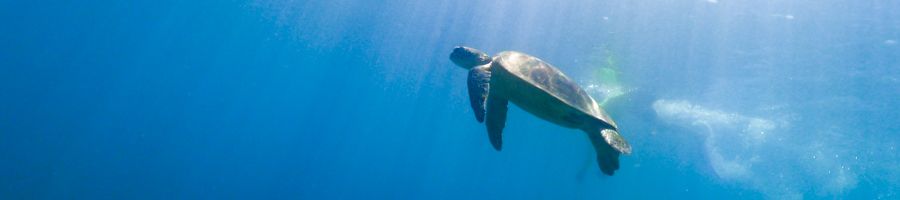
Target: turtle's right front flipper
<point>485,105</point>
<point>496,119</point>
<point>479,85</point>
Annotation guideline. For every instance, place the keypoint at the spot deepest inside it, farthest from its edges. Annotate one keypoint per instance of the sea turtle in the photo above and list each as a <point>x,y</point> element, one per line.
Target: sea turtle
<point>540,89</point>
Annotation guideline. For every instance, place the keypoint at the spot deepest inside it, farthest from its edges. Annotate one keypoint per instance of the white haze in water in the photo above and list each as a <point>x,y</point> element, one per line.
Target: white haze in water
<point>603,93</point>
<point>754,153</point>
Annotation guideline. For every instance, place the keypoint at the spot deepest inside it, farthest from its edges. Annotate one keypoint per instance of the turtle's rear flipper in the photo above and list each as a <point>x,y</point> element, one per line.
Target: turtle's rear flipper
<point>496,120</point>
<point>608,145</point>
<point>616,141</point>
<point>479,85</point>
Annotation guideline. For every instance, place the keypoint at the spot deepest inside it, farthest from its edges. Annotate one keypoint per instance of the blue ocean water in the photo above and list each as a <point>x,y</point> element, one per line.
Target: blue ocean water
<point>351,99</point>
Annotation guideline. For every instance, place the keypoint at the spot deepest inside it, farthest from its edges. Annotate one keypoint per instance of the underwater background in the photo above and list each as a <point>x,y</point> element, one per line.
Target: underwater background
<point>353,99</point>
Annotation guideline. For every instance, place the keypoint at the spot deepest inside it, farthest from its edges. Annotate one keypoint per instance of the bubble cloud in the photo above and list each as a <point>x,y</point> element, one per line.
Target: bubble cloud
<point>759,153</point>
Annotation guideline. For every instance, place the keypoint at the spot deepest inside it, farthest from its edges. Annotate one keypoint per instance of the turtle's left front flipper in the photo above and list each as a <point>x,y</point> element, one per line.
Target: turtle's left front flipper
<point>479,85</point>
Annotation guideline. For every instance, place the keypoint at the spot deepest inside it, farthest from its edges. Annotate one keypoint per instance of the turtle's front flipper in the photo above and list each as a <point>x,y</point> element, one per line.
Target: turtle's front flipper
<point>496,119</point>
<point>479,85</point>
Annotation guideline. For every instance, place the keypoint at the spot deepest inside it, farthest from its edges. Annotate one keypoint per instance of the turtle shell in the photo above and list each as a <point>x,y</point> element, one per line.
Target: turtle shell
<point>552,81</point>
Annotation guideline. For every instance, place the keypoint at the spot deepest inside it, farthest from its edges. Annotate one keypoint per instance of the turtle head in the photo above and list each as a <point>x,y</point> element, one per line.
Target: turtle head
<point>467,57</point>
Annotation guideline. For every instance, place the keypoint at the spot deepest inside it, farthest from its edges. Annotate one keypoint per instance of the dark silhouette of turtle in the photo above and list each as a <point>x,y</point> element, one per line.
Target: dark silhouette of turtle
<point>542,90</point>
